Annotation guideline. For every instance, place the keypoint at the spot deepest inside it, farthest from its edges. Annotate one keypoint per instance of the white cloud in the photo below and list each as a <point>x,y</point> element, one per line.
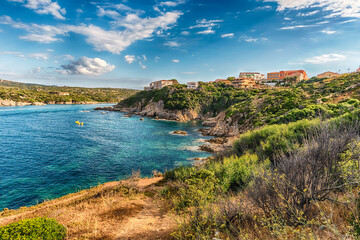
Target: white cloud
<point>175,60</point>
<point>172,44</point>
<point>297,26</point>
<point>134,29</point>
<point>308,14</point>
<point>142,66</point>
<point>36,70</point>
<point>348,21</point>
<point>130,58</point>
<point>87,66</point>
<point>37,33</point>
<point>341,8</point>
<point>252,39</point>
<point>157,59</point>
<point>208,31</point>
<point>46,7</point>
<point>228,35</point>
<point>326,31</point>
<point>109,13</point>
<point>267,7</point>
<point>39,56</point>
<point>287,19</point>
<point>325,58</point>
<point>171,3</point>
<point>185,33</point>
<point>68,57</point>
<point>144,56</point>
<point>207,25</point>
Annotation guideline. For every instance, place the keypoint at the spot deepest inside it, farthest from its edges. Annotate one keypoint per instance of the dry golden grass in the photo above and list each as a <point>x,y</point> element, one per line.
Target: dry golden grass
<point>117,210</point>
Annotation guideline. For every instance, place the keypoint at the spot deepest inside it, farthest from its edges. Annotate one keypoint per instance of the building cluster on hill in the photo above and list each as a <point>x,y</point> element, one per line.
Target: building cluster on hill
<point>160,84</point>
<point>252,79</point>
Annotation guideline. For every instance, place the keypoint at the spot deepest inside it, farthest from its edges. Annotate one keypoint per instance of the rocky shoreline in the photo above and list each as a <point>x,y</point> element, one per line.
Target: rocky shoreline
<point>11,103</point>
<point>223,129</point>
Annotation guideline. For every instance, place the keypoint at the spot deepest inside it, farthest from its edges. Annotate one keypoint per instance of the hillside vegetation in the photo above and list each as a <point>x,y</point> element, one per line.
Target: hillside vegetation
<point>31,93</point>
<point>294,175</point>
<point>252,108</point>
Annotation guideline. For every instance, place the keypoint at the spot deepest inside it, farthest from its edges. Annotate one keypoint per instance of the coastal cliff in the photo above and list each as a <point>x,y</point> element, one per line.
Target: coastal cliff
<point>229,111</point>
<point>219,126</point>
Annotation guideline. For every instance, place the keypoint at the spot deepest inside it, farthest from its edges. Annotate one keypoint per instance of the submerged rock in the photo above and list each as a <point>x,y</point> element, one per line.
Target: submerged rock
<point>179,132</point>
<point>217,140</point>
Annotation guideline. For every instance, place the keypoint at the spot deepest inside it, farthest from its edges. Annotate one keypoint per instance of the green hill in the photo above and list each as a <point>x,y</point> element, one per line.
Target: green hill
<point>251,108</point>
<point>31,93</point>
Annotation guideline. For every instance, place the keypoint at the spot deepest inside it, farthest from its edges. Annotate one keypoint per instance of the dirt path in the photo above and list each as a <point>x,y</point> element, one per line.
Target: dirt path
<point>105,213</point>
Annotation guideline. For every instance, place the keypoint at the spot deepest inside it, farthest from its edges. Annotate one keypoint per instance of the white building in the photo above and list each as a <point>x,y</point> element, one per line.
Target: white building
<point>254,75</point>
<point>160,84</point>
<point>192,85</point>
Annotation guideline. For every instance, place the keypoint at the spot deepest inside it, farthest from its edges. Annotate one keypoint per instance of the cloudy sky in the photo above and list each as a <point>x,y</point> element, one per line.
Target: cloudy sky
<point>128,43</point>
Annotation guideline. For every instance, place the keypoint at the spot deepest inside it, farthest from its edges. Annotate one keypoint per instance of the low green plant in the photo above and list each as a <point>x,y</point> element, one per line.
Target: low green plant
<point>31,229</point>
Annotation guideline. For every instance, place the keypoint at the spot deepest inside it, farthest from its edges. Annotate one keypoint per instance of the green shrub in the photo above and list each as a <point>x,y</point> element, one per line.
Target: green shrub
<point>31,229</point>
<point>235,173</point>
<point>270,140</point>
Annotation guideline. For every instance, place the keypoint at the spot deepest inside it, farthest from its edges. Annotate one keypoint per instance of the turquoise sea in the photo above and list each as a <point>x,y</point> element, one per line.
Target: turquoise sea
<point>45,155</point>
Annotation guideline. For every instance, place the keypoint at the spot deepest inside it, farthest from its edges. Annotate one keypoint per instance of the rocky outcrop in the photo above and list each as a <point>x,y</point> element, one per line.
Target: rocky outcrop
<point>157,110</point>
<point>9,103</point>
<point>219,126</point>
<point>216,145</point>
<point>217,140</point>
<point>179,132</point>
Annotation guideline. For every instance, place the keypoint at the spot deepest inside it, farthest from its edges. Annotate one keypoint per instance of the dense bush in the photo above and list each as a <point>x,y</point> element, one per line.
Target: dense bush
<point>199,186</point>
<point>270,140</point>
<point>36,228</point>
<point>327,162</point>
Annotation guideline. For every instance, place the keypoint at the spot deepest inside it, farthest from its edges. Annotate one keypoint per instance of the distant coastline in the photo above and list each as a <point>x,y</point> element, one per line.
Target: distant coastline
<point>11,103</point>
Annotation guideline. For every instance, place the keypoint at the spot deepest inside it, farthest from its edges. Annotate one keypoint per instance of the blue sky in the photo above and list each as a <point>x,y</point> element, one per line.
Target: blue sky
<point>129,43</point>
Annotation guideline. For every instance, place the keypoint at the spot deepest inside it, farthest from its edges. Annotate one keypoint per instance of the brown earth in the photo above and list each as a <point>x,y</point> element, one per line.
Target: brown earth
<point>130,209</point>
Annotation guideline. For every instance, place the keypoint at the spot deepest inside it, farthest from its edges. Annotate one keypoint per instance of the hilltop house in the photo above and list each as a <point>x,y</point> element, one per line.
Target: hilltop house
<point>160,84</point>
<point>358,70</point>
<point>254,75</point>
<point>280,76</point>
<point>192,85</point>
<point>328,75</point>
<point>243,82</point>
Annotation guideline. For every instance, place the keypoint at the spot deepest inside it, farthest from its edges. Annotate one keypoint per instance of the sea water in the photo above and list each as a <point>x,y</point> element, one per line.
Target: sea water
<point>44,154</point>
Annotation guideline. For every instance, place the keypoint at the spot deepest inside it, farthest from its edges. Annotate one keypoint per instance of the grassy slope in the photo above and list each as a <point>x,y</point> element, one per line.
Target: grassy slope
<point>23,92</point>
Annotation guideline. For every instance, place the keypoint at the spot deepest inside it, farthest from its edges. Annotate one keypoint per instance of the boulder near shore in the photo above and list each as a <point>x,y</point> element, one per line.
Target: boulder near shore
<point>179,132</point>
